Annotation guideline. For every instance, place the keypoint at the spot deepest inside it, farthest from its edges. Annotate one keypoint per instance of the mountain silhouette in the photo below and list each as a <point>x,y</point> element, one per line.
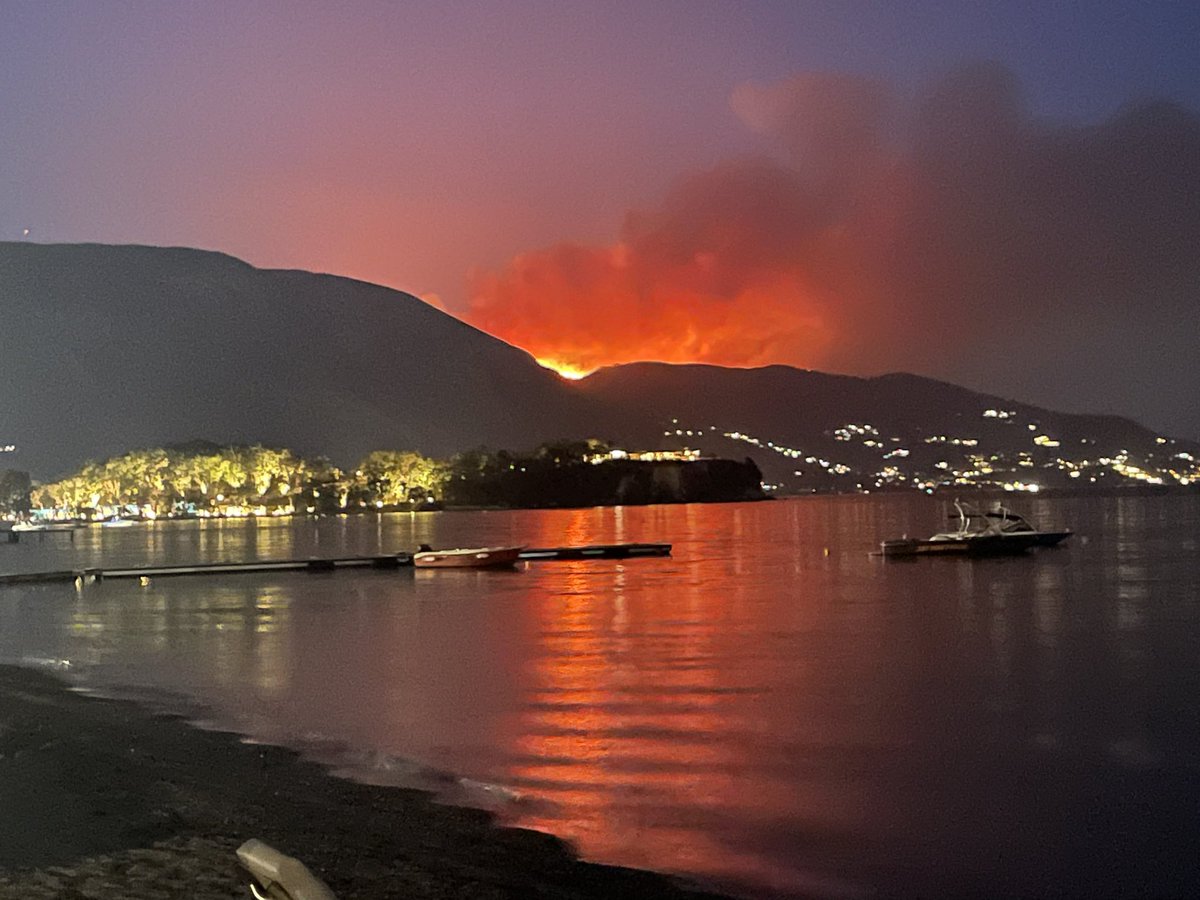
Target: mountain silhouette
<point>109,348</point>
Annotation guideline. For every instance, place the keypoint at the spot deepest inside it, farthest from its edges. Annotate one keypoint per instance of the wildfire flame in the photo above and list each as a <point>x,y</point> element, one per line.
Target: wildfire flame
<point>719,275</point>
<point>565,369</point>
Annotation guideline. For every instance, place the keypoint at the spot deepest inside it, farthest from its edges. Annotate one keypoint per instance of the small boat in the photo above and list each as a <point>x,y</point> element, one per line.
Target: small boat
<point>1009,523</point>
<point>116,522</point>
<point>998,532</point>
<point>468,558</point>
<point>45,525</point>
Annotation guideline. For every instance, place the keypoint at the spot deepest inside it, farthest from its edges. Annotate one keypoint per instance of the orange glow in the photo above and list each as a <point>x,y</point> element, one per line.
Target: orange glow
<point>576,319</point>
<point>611,715</point>
<point>723,273</point>
<point>565,369</point>
<point>599,324</point>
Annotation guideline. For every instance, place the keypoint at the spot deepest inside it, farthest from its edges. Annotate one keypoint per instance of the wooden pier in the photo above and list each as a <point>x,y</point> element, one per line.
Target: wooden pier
<point>387,561</point>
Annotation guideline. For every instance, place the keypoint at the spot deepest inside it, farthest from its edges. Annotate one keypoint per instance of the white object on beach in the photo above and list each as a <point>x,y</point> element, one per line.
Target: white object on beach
<point>281,876</point>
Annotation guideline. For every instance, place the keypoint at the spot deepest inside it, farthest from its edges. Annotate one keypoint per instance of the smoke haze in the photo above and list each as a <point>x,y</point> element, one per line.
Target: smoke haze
<point>947,234</point>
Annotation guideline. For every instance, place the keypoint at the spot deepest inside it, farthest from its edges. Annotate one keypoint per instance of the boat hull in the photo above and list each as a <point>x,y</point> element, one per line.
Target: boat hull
<point>1050,538</point>
<point>470,558</point>
<point>998,532</point>
<point>117,523</point>
<point>971,545</point>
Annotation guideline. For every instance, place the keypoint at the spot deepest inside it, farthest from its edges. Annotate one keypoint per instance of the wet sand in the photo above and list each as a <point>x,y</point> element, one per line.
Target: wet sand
<point>104,799</point>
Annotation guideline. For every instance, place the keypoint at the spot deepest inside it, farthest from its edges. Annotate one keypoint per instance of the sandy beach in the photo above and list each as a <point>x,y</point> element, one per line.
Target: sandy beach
<point>104,799</point>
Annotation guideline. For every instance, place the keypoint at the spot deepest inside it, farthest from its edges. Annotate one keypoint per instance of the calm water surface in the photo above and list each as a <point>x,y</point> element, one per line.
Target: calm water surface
<point>770,709</point>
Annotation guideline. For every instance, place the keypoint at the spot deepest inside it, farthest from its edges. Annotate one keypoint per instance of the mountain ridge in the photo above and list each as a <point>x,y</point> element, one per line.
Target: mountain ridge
<point>110,347</point>
<point>106,348</point>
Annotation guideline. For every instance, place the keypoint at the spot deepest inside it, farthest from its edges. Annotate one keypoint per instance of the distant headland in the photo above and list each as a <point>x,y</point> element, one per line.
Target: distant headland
<point>202,480</point>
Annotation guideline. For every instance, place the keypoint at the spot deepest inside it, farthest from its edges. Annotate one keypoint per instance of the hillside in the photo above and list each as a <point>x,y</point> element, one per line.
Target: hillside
<point>109,348</point>
<point>816,431</point>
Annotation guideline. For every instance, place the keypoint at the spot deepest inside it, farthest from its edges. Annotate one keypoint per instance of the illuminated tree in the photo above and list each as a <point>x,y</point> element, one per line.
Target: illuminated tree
<point>273,472</point>
<point>401,476</point>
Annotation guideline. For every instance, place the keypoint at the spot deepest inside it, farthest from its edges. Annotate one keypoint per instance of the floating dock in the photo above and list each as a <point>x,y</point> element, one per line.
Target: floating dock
<point>387,561</point>
<point>41,577</point>
<point>391,561</point>
<point>596,551</point>
<point>13,536</point>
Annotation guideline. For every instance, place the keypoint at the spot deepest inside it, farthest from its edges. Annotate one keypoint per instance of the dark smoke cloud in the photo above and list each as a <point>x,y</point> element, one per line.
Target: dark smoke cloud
<point>957,236</point>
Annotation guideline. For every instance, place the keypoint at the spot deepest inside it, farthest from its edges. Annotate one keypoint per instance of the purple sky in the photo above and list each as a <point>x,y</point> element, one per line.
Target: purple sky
<point>427,145</point>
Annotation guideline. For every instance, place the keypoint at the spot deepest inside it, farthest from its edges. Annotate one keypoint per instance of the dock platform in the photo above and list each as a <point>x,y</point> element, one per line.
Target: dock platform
<point>385,561</point>
<point>595,551</point>
<point>389,561</point>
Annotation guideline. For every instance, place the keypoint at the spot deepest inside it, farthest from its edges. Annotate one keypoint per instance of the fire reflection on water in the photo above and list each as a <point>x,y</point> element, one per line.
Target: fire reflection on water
<point>769,706</point>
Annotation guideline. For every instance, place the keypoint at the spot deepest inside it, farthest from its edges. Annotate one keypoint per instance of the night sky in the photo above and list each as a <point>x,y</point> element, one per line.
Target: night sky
<point>1005,195</point>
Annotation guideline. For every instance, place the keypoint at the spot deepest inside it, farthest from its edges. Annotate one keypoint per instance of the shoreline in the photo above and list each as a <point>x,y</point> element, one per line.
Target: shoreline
<point>104,798</point>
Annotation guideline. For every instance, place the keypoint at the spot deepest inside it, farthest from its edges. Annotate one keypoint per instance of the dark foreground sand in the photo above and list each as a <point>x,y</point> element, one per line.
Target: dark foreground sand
<point>101,798</point>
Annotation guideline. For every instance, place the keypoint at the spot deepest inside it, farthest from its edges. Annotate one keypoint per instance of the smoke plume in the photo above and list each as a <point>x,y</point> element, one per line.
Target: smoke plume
<point>956,235</point>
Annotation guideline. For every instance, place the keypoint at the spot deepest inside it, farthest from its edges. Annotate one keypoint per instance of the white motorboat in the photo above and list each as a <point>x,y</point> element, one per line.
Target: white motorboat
<point>996,532</point>
<point>1009,523</point>
<point>45,525</point>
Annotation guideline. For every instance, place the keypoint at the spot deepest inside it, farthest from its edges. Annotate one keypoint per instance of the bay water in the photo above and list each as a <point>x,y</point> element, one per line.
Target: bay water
<point>771,710</point>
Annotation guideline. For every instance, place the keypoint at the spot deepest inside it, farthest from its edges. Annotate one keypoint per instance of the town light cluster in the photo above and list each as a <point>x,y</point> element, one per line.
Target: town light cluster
<point>927,462</point>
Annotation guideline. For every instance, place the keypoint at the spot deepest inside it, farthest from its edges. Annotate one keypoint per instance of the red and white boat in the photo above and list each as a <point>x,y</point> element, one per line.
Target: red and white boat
<point>470,558</point>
